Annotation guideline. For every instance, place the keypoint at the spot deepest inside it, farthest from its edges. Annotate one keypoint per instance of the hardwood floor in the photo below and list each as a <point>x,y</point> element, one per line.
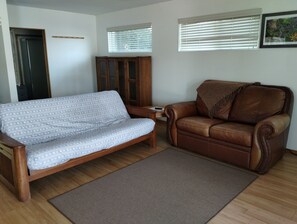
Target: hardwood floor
<point>272,198</point>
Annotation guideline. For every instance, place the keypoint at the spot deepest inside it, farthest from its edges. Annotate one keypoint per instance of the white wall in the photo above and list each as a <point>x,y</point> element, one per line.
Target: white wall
<point>71,61</point>
<point>176,75</point>
<point>4,87</point>
<point>8,90</point>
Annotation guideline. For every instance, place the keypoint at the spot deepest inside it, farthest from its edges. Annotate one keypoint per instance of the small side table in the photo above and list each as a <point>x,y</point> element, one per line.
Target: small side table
<point>159,112</point>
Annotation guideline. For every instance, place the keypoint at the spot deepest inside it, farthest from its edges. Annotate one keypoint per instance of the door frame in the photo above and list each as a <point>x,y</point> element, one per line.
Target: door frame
<point>44,47</point>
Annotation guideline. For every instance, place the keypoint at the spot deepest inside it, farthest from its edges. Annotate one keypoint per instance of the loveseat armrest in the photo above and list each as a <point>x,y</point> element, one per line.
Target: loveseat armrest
<point>175,112</point>
<point>141,112</point>
<point>269,142</point>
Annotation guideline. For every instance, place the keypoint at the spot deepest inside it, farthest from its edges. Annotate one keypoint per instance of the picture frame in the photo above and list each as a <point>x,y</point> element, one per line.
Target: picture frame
<point>279,30</point>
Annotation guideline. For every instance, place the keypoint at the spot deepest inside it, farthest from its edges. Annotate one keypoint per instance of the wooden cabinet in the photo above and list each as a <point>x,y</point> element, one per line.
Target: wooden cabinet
<point>130,76</point>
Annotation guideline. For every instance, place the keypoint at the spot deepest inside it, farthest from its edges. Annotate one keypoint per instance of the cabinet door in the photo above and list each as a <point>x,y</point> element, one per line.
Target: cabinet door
<point>130,76</point>
<point>144,81</point>
<point>113,75</point>
<point>102,74</point>
<point>132,71</point>
<point>122,80</point>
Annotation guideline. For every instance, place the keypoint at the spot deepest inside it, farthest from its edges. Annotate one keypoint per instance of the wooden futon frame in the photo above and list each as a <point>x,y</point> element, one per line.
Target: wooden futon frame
<point>15,174</point>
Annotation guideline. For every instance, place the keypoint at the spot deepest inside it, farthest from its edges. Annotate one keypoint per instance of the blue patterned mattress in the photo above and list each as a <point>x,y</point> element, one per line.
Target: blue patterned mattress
<point>58,129</point>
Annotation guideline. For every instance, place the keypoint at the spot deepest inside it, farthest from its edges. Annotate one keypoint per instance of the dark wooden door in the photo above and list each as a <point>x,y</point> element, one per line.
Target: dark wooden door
<point>31,62</point>
<point>33,66</point>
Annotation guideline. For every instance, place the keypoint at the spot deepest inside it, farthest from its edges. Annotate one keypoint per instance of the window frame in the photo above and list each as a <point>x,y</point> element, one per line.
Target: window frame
<point>230,18</point>
<point>125,32</point>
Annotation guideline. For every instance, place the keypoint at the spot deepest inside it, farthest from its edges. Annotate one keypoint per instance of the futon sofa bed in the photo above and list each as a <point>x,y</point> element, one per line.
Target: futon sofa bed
<point>245,124</point>
<point>41,137</point>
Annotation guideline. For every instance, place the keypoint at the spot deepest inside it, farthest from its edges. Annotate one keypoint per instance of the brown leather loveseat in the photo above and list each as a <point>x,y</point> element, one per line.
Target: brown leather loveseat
<point>245,124</point>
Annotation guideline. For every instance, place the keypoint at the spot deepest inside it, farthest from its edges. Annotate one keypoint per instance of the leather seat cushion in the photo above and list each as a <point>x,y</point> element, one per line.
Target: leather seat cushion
<point>236,133</point>
<point>197,125</point>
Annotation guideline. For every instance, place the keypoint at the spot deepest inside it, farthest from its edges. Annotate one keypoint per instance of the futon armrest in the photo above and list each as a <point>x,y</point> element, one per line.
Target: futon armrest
<point>141,112</point>
<point>269,145</point>
<point>9,142</point>
<point>15,175</point>
<point>175,112</point>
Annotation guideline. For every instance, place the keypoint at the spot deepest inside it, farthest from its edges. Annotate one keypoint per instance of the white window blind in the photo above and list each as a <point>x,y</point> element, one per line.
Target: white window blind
<point>133,38</point>
<point>235,30</point>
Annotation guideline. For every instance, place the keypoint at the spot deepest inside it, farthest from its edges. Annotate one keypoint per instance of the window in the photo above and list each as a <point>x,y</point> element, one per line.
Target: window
<point>134,38</point>
<point>235,30</point>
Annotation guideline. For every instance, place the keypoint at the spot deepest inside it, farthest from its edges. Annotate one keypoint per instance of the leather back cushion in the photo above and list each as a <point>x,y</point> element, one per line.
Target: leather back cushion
<point>221,113</point>
<point>216,90</point>
<point>201,107</point>
<point>256,103</point>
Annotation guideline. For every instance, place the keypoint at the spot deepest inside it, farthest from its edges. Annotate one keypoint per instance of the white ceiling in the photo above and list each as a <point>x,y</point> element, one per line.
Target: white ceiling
<point>92,7</point>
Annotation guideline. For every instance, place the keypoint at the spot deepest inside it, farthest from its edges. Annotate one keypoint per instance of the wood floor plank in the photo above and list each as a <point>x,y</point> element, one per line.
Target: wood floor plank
<point>271,199</point>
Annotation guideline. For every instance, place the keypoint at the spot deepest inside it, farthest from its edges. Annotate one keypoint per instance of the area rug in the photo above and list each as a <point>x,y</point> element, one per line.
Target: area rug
<point>170,187</point>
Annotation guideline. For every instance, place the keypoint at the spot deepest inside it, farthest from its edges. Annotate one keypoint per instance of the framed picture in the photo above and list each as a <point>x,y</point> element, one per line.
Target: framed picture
<point>279,30</point>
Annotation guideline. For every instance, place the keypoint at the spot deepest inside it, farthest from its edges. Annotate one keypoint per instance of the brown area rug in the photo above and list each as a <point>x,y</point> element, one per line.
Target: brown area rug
<point>173,186</point>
